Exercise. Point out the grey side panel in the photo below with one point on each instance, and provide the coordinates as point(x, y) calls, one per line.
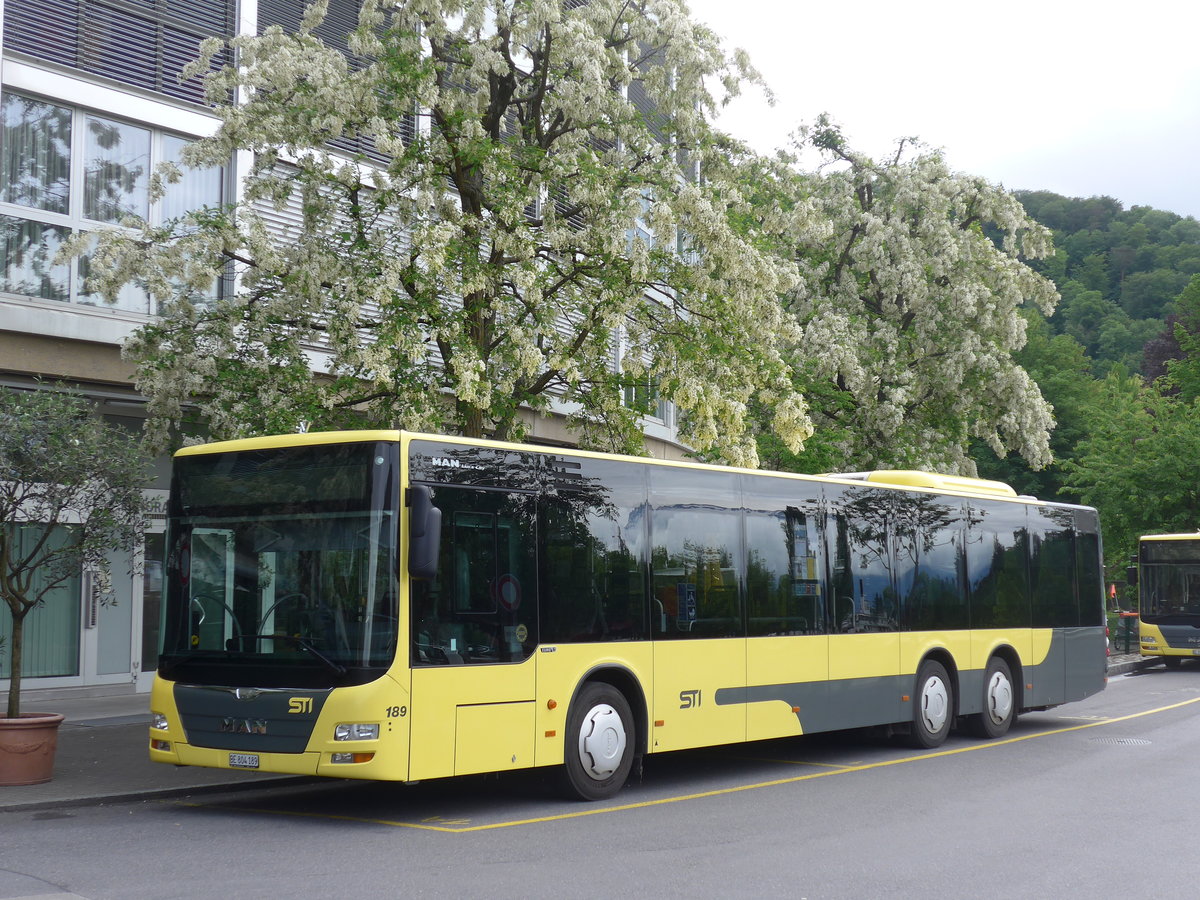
point(856, 702)
point(1086, 661)
point(970, 691)
point(1048, 678)
point(250, 719)
point(833, 705)
point(1074, 668)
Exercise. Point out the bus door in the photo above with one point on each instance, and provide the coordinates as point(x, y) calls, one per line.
point(240, 592)
point(210, 581)
point(864, 644)
point(787, 654)
point(696, 615)
point(474, 630)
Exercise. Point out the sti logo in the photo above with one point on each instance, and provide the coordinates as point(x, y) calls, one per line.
point(299, 705)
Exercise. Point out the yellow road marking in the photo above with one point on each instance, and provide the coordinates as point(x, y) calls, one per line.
point(700, 795)
point(795, 762)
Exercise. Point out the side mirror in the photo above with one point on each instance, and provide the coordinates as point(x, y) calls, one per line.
point(1131, 575)
point(424, 533)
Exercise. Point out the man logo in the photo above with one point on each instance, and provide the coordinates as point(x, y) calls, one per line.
point(299, 705)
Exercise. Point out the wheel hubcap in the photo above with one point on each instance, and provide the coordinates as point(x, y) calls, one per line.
point(935, 704)
point(601, 741)
point(999, 698)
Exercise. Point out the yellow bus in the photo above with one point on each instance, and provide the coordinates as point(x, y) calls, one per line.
point(397, 606)
point(1168, 579)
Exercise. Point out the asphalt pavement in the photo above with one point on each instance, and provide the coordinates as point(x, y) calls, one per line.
point(103, 755)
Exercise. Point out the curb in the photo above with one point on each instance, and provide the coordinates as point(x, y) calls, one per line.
point(133, 796)
point(1133, 665)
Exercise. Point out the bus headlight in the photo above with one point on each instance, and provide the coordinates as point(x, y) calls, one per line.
point(158, 721)
point(357, 732)
point(1149, 639)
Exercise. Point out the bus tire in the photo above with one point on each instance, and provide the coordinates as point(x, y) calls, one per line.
point(1172, 662)
point(933, 706)
point(599, 743)
point(999, 702)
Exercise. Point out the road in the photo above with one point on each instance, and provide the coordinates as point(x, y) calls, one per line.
point(1091, 799)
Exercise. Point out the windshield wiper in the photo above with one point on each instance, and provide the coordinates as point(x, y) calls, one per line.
point(335, 667)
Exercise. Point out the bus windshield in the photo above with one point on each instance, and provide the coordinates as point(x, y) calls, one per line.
point(282, 566)
point(1170, 581)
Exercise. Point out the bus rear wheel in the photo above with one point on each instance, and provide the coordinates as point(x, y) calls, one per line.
point(933, 706)
point(600, 743)
point(999, 701)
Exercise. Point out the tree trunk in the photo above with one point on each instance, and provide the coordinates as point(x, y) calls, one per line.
point(14, 658)
point(472, 419)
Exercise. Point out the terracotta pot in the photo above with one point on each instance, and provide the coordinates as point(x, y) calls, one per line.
point(27, 745)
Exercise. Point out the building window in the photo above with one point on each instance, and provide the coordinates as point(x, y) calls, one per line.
point(641, 224)
point(37, 161)
point(641, 393)
point(116, 170)
point(64, 170)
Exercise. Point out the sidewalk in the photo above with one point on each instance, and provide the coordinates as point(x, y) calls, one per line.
point(103, 757)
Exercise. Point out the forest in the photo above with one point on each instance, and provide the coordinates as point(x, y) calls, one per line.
point(1119, 360)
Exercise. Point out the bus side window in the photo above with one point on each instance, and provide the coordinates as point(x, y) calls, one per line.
point(1052, 567)
point(592, 558)
point(482, 606)
point(863, 595)
point(696, 555)
point(785, 557)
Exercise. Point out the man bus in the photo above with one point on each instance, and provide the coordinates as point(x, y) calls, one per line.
point(387, 605)
point(1168, 579)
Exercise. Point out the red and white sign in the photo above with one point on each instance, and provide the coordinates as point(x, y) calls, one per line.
point(508, 592)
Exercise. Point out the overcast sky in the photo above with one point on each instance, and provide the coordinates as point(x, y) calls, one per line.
point(1072, 97)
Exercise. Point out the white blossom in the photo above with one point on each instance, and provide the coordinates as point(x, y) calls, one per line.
point(910, 312)
point(486, 265)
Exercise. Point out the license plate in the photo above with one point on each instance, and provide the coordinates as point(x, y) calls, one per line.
point(243, 760)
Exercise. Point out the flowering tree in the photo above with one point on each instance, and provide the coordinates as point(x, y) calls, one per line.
point(909, 301)
point(541, 234)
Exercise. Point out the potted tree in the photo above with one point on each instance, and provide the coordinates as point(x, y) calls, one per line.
point(70, 494)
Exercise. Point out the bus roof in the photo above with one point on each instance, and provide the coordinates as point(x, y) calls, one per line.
point(914, 478)
point(904, 478)
point(1191, 536)
point(270, 442)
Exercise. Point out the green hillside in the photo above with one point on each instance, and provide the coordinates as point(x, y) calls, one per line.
point(1111, 361)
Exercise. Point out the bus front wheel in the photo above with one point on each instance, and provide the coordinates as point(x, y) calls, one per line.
point(933, 706)
point(600, 743)
point(999, 701)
